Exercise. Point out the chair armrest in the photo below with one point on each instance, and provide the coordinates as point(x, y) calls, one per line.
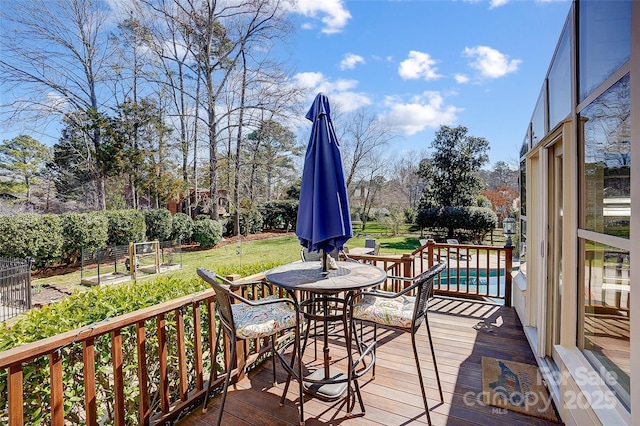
point(234, 284)
point(433, 272)
point(262, 302)
point(391, 295)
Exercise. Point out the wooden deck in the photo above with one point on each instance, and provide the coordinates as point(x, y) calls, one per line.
point(463, 331)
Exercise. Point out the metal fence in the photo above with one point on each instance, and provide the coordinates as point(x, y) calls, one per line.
point(117, 264)
point(15, 287)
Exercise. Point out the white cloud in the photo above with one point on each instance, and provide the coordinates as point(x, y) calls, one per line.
point(490, 62)
point(421, 112)
point(309, 79)
point(462, 78)
point(418, 65)
point(497, 3)
point(340, 92)
point(350, 61)
point(335, 16)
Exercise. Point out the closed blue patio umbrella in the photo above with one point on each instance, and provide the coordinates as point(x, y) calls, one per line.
point(324, 222)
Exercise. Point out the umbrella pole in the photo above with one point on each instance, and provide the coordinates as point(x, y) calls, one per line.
point(324, 262)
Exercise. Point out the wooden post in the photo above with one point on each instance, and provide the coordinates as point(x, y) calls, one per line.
point(430, 245)
point(407, 269)
point(508, 265)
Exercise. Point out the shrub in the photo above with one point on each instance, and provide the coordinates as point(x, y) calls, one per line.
point(279, 214)
point(32, 235)
point(181, 227)
point(159, 224)
point(207, 232)
point(482, 221)
point(125, 226)
point(251, 222)
point(88, 230)
point(410, 215)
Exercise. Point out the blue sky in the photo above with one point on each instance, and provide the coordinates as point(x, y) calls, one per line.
point(422, 64)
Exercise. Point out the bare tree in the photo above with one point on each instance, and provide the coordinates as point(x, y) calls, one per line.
point(371, 187)
point(405, 185)
point(172, 44)
point(56, 56)
point(363, 140)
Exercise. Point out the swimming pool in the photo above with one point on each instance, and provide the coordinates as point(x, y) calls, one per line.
point(489, 282)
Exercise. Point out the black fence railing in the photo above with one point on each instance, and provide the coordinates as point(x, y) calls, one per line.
point(15, 287)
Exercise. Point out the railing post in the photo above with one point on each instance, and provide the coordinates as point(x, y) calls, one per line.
point(508, 265)
point(430, 245)
point(407, 267)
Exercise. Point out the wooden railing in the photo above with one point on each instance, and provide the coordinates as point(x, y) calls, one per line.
point(472, 270)
point(149, 366)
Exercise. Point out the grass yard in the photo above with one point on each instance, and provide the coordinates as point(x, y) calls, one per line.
point(248, 257)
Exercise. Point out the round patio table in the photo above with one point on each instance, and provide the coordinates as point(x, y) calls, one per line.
point(324, 288)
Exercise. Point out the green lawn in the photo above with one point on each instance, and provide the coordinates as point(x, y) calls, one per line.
point(248, 257)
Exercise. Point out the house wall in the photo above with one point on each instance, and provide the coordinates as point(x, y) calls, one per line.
point(569, 248)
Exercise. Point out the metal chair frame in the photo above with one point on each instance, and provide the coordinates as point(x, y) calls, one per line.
point(224, 301)
point(422, 285)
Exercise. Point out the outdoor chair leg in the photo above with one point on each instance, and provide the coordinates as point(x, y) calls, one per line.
point(213, 368)
point(433, 355)
point(301, 350)
point(226, 381)
point(298, 350)
point(375, 339)
point(273, 357)
point(424, 394)
point(348, 331)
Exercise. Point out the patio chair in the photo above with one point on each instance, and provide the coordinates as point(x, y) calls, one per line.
point(460, 253)
point(402, 312)
point(252, 319)
point(309, 256)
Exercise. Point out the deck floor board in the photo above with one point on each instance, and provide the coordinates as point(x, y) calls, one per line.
point(463, 332)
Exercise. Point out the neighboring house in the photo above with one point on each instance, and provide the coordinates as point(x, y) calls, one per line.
point(203, 202)
point(580, 218)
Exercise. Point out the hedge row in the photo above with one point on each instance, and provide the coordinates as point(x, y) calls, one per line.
point(475, 222)
point(51, 239)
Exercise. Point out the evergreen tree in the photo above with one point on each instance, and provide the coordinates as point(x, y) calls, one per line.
point(452, 174)
point(22, 158)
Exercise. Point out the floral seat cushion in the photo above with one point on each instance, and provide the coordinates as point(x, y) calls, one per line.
point(396, 312)
point(260, 321)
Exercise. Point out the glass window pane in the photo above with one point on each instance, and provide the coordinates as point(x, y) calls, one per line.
point(523, 188)
point(605, 42)
point(560, 82)
point(523, 246)
point(605, 328)
point(606, 133)
point(538, 128)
